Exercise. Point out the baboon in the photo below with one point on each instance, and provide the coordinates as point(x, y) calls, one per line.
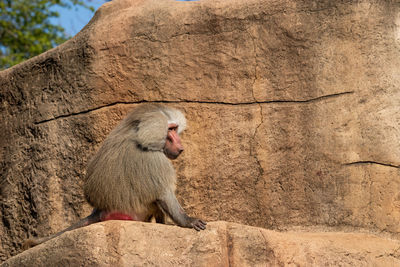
point(131, 176)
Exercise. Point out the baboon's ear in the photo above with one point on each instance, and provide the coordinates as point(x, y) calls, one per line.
point(151, 130)
point(135, 125)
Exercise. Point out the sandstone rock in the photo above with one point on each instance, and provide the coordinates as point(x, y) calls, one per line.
point(292, 111)
point(116, 243)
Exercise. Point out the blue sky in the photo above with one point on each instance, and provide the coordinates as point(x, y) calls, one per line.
point(74, 19)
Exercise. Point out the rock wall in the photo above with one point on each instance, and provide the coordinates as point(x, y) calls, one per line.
point(292, 111)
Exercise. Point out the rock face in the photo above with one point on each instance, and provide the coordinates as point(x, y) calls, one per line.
point(292, 111)
point(223, 244)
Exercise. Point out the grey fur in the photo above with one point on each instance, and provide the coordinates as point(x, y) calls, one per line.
point(132, 174)
point(130, 171)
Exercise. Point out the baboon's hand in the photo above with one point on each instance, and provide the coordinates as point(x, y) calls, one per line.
point(197, 224)
point(170, 205)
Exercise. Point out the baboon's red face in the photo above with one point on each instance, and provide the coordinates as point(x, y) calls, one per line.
point(173, 146)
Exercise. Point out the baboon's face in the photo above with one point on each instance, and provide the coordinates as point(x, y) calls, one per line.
point(173, 146)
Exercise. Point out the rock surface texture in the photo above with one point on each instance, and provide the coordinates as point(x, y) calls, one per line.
point(293, 123)
point(222, 244)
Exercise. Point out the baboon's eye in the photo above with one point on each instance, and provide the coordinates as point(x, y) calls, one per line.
point(173, 127)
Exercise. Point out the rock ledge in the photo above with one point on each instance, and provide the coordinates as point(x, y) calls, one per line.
point(120, 243)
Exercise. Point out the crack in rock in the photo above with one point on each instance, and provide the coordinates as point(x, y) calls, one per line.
point(372, 162)
point(197, 102)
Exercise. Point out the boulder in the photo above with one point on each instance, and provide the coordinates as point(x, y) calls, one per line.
point(292, 111)
point(116, 243)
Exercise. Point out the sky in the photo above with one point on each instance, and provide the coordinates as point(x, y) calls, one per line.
point(74, 19)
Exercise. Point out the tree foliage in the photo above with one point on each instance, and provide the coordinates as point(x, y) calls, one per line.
point(26, 29)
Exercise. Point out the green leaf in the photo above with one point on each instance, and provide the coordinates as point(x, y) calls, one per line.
point(26, 30)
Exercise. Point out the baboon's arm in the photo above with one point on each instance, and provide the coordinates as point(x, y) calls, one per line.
point(170, 205)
